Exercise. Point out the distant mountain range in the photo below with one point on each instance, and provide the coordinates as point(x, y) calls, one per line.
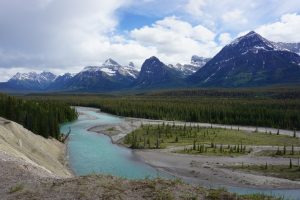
point(248, 61)
point(29, 81)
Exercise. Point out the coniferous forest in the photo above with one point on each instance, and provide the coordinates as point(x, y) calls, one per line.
point(40, 117)
point(276, 108)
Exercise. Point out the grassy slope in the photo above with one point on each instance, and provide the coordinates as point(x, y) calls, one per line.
point(186, 136)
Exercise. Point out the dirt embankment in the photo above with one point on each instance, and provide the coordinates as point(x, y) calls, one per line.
point(20, 146)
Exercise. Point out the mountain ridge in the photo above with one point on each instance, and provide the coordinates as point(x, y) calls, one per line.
point(248, 61)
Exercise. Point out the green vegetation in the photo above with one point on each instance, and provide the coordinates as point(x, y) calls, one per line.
point(290, 171)
point(111, 129)
point(41, 117)
point(216, 194)
point(16, 188)
point(268, 108)
point(215, 150)
point(203, 140)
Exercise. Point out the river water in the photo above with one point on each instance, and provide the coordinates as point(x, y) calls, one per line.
point(92, 153)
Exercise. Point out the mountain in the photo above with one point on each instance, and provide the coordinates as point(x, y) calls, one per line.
point(155, 74)
point(89, 79)
point(199, 61)
point(109, 76)
point(188, 69)
point(114, 69)
point(29, 81)
point(294, 47)
point(250, 60)
point(60, 81)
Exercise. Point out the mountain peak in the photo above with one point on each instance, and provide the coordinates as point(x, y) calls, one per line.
point(252, 33)
point(34, 76)
point(131, 64)
point(91, 69)
point(153, 58)
point(249, 60)
point(152, 62)
point(155, 73)
point(253, 42)
point(110, 62)
point(251, 37)
point(32, 80)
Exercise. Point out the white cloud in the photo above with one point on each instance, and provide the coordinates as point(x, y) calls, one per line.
point(203, 34)
point(176, 40)
point(62, 35)
point(56, 34)
point(195, 7)
point(234, 17)
point(285, 30)
point(225, 38)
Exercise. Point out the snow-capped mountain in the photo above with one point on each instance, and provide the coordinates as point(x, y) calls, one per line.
point(112, 68)
point(294, 47)
point(250, 60)
point(60, 81)
point(44, 77)
point(31, 80)
point(199, 61)
point(108, 76)
point(255, 43)
point(188, 69)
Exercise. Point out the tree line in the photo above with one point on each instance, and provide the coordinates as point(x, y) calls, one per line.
point(40, 117)
point(265, 112)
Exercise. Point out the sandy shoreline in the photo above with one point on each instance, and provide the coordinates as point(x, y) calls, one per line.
point(203, 170)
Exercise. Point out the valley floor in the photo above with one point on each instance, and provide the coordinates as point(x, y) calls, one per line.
point(206, 170)
point(31, 168)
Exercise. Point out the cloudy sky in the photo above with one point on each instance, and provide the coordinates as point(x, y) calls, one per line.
point(66, 35)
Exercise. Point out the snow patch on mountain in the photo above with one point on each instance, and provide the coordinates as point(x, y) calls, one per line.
point(294, 47)
point(33, 76)
point(112, 68)
point(255, 43)
point(196, 63)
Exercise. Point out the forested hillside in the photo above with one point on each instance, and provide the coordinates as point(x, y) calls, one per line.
point(276, 110)
point(41, 117)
